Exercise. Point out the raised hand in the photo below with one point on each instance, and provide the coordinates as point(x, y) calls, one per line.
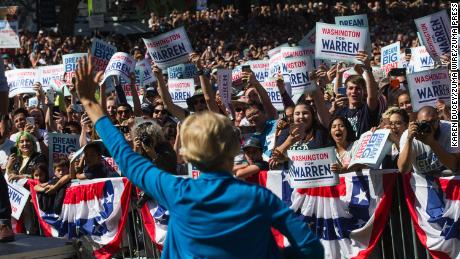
point(86, 83)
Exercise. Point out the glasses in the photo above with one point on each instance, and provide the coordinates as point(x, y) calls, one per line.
point(159, 111)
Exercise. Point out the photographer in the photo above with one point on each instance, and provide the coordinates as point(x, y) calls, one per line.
point(426, 145)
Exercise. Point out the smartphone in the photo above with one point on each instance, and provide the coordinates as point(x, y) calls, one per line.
point(13, 150)
point(397, 72)
point(78, 108)
point(342, 91)
point(408, 51)
point(50, 95)
point(30, 120)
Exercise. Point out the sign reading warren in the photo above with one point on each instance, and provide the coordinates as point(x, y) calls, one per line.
point(312, 168)
point(224, 84)
point(18, 199)
point(358, 20)
point(339, 42)
point(20, 81)
point(273, 92)
point(180, 90)
point(47, 74)
point(101, 52)
point(121, 64)
point(421, 59)
point(295, 71)
point(435, 32)
point(170, 48)
point(428, 86)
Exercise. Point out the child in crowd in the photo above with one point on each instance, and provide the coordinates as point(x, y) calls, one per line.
point(253, 154)
point(94, 164)
point(51, 193)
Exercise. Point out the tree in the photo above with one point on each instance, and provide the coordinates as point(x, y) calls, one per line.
point(66, 17)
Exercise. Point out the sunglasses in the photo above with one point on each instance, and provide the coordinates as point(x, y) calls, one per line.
point(123, 129)
point(159, 111)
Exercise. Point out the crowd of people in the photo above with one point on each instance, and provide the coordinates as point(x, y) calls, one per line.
point(256, 139)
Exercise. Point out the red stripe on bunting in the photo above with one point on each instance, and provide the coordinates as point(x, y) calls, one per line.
point(84, 192)
point(410, 201)
point(327, 192)
point(149, 224)
point(46, 229)
point(451, 188)
point(381, 214)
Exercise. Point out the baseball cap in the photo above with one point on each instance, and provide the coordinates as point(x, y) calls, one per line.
point(252, 142)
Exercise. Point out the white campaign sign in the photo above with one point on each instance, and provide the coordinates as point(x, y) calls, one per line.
point(182, 71)
point(121, 64)
point(224, 84)
point(339, 42)
point(312, 168)
point(371, 148)
point(18, 199)
point(144, 73)
point(101, 52)
point(275, 62)
point(260, 68)
point(428, 86)
point(70, 65)
point(20, 81)
point(435, 33)
point(358, 20)
point(390, 57)
point(271, 87)
point(295, 71)
point(9, 38)
point(309, 39)
point(47, 74)
point(170, 48)
point(180, 90)
point(421, 59)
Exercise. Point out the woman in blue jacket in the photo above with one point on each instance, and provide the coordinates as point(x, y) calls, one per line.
point(216, 215)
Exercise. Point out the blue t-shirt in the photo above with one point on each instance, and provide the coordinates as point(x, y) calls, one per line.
point(216, 215)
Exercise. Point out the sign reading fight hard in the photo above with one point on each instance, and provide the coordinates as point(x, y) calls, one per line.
point(182, 71)
point(271, 87)
point(371, 148)
point(359, 20)
point(18, 199)
point(47, 74)
point(312, 168)
point(61, 145)
point(20, 81)
point(260, 68)
point(101, 52)
point(295, 71)
point(390, 57)
point(180, 90)
point(121, 64)
point(9, 38)
point(427, 87)
point(435, 33)
point(170, 48)
point(421, 59)
point(224, 83)
point(70, 65)
point(339, 42)
point(144, 73)
point(309, 39)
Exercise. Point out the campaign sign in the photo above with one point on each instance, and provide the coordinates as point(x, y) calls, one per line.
point(309, 39)
point(359, 20)
point(101, 52)
point(390, 57)
point(144, 73)
point(371, 148)
point(121, 64)
point(127, 90)
point(421, 59)
point(170, 48)
point(180, 90)
point(275, 62)
point(435, 33)
point(224, 84)
point(428, 86)
point(193, 172)
point(61, 145)
point(9, 38)
point(182, 71)
point(20, 81)
point(260, 69)
point(18, 199)
point(339, 42)
point(299, 51)
point(312, 168)
point(70, 62)
point(295, 71)
point(271, 87)
point(237, 75)
point(47, 74)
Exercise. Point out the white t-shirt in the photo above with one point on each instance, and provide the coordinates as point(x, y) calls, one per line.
point(5, 152)
point(423, 159)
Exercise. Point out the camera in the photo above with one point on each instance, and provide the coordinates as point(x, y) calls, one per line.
point(423, 127)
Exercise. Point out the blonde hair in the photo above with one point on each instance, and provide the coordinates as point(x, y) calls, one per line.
point(208, 139)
